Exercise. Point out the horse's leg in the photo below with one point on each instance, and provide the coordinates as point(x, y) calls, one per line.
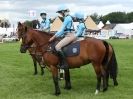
point(104, 76)
point(55, 79)
point(42, 70)
point(67, 79)
point(39, 62)
point(61, 74)
point(115, 81)
point(98, 74)
point(35, 66)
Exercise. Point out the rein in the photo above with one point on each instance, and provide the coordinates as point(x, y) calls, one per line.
point(42, 53)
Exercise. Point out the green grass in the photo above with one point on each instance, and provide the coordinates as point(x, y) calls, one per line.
point(18, 82)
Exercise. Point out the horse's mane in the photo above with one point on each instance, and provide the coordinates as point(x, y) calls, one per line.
point(42, 32)
point(46, 33)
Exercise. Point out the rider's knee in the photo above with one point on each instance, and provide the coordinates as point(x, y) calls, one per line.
point(57, 48)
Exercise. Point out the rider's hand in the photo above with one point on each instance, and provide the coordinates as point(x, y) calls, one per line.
point(51, 39)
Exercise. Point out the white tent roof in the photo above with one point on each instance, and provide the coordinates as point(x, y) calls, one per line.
point(100, 25)
point(108, 22)
point(124, 28)
point(131, 23)
point(127, 26)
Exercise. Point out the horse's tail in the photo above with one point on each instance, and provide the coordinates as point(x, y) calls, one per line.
point(105, 60)
point(112, 65)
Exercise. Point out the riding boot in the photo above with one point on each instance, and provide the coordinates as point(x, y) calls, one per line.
point(63, 62)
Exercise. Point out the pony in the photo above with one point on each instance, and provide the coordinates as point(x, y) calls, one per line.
point(97, 52)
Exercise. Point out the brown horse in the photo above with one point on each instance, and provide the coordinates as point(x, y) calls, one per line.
point(33, 50)
point(97, 52)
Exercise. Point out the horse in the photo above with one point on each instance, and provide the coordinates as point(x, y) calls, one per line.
point(34, 51)
point(98, 52)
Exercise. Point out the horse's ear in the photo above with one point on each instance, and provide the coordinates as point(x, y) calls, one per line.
point(19, 23)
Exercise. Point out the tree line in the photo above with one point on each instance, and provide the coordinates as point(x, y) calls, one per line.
point(5, 23)
point(114, 17)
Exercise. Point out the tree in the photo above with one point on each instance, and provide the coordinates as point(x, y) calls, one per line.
point(115, 17)
point(130, 17)
point(32, 24)
point(5, 23)
point(28, 23)
point(95, 17)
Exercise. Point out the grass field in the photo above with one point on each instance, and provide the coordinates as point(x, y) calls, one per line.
point(18, 82)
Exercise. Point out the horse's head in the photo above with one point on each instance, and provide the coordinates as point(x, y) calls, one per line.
point(23, 34)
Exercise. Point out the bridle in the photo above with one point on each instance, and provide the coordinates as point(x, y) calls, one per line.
point(26, 46)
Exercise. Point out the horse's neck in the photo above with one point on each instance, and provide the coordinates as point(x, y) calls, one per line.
point(40, 38)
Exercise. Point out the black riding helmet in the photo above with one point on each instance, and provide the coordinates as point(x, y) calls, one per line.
point(43, 13)
point(62, 9)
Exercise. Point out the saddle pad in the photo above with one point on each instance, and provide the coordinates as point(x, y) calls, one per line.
point(72, 49)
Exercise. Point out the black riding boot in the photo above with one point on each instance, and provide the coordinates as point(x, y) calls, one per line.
point(63, 62)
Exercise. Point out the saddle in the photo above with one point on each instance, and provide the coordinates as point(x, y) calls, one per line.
point(72, 49)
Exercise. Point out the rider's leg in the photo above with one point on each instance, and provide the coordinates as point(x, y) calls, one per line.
point(65, 41)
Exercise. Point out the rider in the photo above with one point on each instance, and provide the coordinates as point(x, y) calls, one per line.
point(45, 24)
point(81, 26)
point(66, 32)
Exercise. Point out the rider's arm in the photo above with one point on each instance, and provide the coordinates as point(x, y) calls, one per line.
point(80, 30)
point(65, 23)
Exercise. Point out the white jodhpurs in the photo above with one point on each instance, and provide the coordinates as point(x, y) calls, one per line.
point(70, 37)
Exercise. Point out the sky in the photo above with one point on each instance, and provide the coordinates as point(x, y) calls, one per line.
point(18, 10)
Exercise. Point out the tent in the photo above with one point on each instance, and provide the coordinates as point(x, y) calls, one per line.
point(108, 22)
point(7, 31)
point(56, 25)
point(90, 24)
point(108, 30)
point(126, 29)
point(100, 25)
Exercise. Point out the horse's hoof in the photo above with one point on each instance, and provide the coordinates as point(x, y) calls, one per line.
point(57, 93)
point(116, 84)
point(67, 87)
point(35, 74)
point(96, 92)
point(105, 89)
point(42, 73)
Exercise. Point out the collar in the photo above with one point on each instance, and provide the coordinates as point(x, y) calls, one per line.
point(43, 21)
